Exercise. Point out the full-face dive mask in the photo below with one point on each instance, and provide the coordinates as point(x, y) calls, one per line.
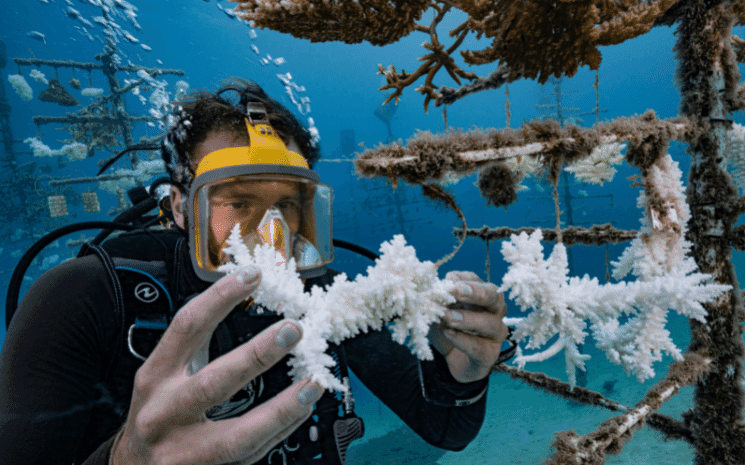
point(270, 192)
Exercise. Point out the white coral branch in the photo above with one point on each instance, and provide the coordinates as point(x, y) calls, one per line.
point(561, 306)
point(598, 167)
point(667, 279)
point(660, 245)
point(398, 289)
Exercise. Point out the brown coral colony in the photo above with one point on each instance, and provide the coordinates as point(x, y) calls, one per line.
point(57, 93)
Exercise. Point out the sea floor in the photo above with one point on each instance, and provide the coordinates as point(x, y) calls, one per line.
point(519, 427)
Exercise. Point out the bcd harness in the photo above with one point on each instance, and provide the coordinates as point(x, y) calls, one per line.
point(147, 271)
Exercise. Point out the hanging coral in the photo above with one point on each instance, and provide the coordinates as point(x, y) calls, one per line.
point(498, 184)
point(73, 151)
point(75, 84)
point(58, 94)
point(91, 92)
point(379, 23)
point(598, 167)
point(21, 87)
point(38, 76)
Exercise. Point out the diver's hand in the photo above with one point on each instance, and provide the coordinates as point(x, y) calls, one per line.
point(471, 340)
point(167, 422)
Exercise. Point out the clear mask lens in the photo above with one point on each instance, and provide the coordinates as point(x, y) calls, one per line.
point(292, 214)
point(272, 230)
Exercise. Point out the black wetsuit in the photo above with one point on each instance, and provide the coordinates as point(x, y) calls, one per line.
point(58, 404)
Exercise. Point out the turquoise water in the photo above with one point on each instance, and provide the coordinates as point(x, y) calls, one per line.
point(341, 84)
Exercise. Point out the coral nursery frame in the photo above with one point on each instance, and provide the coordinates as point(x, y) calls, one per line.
point(536, 39)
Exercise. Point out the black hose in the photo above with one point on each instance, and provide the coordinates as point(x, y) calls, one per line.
point(14, 288)
point(356, 248)
point(126, 217)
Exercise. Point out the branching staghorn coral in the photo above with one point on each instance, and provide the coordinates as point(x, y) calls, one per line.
point(21, 87)
point(666, 279)
point(57, 93)
point(560, 305)
point(97, 133)
point(73, 151)
point(495, 80)
point(125, 178)
point(379, 23)
point(398, 289)
point(438, 58)
point(647, 138)
point(563, 35)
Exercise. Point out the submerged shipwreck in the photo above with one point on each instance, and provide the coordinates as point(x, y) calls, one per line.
point(680, 257)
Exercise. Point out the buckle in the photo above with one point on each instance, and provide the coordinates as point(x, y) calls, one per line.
point(156, 322)
point(256, 113)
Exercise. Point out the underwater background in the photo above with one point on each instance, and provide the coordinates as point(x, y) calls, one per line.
point(336, 85)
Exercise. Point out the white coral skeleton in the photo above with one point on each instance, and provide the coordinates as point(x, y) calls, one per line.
point(399, 289)
point(598, 167)
point(667, 279)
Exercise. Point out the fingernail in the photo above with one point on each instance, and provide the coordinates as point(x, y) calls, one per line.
point(309, 394)
point(287, 335)
point(249, 275)
point(455, 316)
point(464, 289)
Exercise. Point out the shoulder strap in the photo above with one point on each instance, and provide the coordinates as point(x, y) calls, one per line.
point(137, 265)
point(109, 267)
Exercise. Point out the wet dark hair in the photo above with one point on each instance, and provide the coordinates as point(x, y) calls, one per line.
point(200, 113)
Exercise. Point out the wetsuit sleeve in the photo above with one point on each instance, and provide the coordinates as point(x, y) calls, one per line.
point(426, 397)
point(53, 359)
point(101, 455)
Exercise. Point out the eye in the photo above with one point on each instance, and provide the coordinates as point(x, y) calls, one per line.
point(289, 204)
point(232, 203)
point(239, 204)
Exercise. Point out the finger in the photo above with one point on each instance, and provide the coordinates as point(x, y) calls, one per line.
point(223, 377)
point(482, 324)
point(247, 436)
point(483, 294)
point(479, 350)
point(194, 324)
point(438, 340)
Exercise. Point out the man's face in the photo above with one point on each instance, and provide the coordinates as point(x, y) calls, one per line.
point(245, 203)
point(234, 203)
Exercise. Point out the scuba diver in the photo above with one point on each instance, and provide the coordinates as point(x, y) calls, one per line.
point(139, 351)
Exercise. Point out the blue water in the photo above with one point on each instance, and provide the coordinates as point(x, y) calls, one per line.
point(341, 82)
